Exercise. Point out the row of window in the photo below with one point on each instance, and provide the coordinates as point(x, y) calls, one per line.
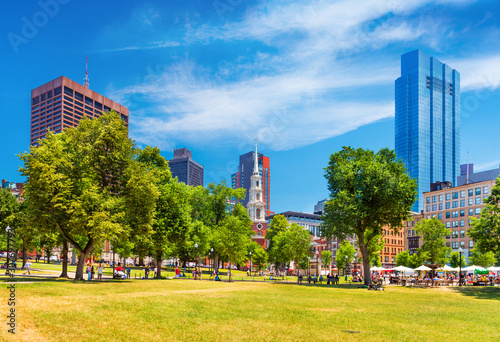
point(455, 204)
point(471, 192)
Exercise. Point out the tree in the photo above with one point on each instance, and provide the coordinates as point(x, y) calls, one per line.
point(375, 260)
point(8, 209)
point(482, 259)
point(485, 231)
point(345, 255)
point(368, 191)
point(278, 224)
point(326, 259)
point(403, 259)
point(433, 234)
point(455, 259)
point(231, 239)
point(292, 244)
point(85, 184)
point(259, 258)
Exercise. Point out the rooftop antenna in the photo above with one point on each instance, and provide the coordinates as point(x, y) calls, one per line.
point(86, 79)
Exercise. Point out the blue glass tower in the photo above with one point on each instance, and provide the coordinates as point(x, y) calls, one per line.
point(428, 121)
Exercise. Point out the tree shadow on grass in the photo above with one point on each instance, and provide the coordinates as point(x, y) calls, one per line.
point(492, 292)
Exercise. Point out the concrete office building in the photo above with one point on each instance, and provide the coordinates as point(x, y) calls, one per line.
point(185, 168)
point(427, 122)
point(62, 103)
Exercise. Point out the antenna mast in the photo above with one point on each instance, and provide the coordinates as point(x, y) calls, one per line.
point(86, 79)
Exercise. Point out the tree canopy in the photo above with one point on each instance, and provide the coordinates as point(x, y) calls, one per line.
point(368, 191)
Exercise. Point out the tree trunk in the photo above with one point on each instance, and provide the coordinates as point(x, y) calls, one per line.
point(81, 260)
point(216, 263)
point(25, 257)
point(229, 268)
point(141, 261)
point(159, 260)
point(64, 273)
point(366, 262)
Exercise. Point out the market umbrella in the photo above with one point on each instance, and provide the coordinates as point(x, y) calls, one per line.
point(423, 268)
point(402, 269)
point(473, 268)
point(376, 268)
point(494, 268)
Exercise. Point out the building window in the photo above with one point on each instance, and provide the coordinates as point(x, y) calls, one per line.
point(454, 224)
point(78, 96)
point(478, 200)
point(89, 101)
point(440, 216)
point(68, 91)
point(471, 244)
point(440, 206)
point(440, 198)
point(448, 224)
point(462, 244)
point(462, 212)
point(462, 223)
point(462, 194)
point(447, 205)
point(478, 211)
point(447, 244)
point(454, 214)
point(434, 207)
point(462, 233)
point(455, 204)
point(478, 191)
point(471, 201)
point(455, 195)
point(434, 199)
point(428, 199)
point(454, 245)
point(455, 234)
point(485, 190)
point(428, 208)
point(462, 203)
point(471, 211)
point(471, 192)
point(447, 197)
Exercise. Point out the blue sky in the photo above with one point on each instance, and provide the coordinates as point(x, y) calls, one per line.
point(303, 77)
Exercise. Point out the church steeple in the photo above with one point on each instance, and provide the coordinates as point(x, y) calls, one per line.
point(256, 206)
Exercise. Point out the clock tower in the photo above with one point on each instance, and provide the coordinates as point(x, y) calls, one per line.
point(256, 205)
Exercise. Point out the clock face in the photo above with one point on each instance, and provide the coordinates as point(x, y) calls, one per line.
point(259, 226)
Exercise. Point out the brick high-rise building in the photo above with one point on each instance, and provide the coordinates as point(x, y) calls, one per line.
point(62, 103)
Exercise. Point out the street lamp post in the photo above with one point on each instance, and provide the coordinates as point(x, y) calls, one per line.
point(213, 260)
point(354, 260)
point(196, 261)
point(460, 263)
point(7, 230)
point(317, 263)
point(250, 263)
point(345, 268)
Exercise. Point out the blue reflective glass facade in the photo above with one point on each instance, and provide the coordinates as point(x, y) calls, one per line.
point(427, 122)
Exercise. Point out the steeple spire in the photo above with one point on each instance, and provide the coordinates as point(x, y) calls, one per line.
point(256, 161)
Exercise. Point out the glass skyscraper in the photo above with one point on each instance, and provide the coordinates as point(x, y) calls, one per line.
point(428, 121)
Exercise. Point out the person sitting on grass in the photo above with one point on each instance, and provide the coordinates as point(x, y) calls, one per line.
point(217, 278)
point(321, 279)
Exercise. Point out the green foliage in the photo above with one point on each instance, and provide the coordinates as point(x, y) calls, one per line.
point(485, 231)
point(375, 259)
point(433, 234)
point(346, 249)
point(403, 259)
point(278, 224)
point(259, 256)
point(292, 244)
point(86, 185)
point(326, 259)
point(8, 209)
point(368, 190)
point(455, 259)
point(482, 259)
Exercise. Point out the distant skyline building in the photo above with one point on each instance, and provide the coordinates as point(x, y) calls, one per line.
point(427, 122)
point(242, 178)
point(475, 177)
point(319, 207)
point(185, 168)
point(62, 103)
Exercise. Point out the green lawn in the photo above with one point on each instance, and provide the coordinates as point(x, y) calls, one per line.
point(156, 310)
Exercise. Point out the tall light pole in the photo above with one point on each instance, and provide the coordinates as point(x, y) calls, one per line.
point(317, 263)
point(196, 261)
point(345, 268)
point(460, 263)
point(212, 261)
point(250, 263)
point(7, 230)
point(354, 260)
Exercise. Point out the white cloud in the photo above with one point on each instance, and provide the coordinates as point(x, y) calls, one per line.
point(478, 72)
point(310, 88)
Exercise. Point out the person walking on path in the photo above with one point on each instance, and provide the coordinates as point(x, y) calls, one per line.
point(89, 271)
point(128, 272)
point(100, 270)
point(146, 273)
point(156, 269)
point(28, 267)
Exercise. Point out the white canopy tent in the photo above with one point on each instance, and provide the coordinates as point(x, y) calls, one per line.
point(423, 268)
point(447, 268)
point(472, 268)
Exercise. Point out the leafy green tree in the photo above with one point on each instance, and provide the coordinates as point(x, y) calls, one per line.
point(345, 255)
point(86, 185)
point(8, 209)
point(482, 259)
point(326, 259)
point(231, 239)
point(278, 224)
point(433, 234)
point(259, 255)
point(212, 207)
point(368, 191)
point(455, 259)
point(375, 260)
point(485, 231)
point(292, 244)
point(403, 259)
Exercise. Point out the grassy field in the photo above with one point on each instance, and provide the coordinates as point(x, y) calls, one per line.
point(164, 310)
